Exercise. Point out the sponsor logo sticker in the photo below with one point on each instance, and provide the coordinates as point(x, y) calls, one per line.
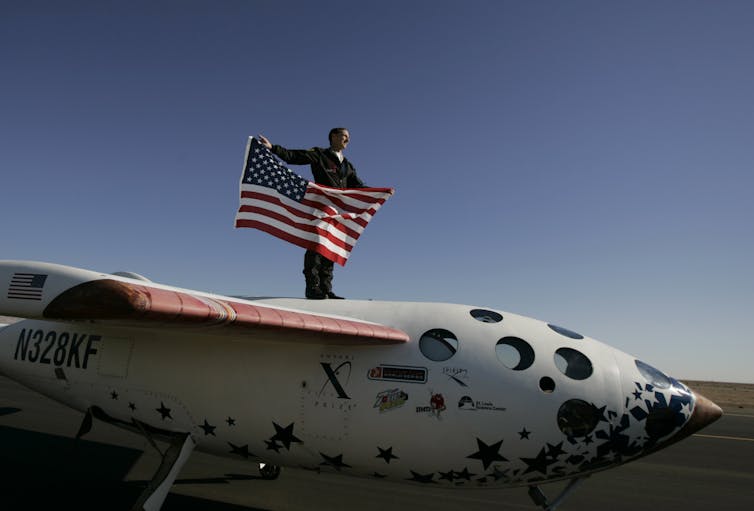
point(405, 374)
point(390, 400)
point(467, 403)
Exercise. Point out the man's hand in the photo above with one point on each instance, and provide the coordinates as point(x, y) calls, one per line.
point(265, 142)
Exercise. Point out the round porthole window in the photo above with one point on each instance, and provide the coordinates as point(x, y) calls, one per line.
point(486, 316)
point(546, 384)
point(577, 417)
point(438, 344)
point(573, 363)
point(514, 353)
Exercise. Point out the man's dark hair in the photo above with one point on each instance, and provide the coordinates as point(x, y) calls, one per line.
point(334, 131)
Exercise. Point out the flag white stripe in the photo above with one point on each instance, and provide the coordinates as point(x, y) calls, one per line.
point(322, 224)
point(306, 235)
point(332, 231)
point(347, 197)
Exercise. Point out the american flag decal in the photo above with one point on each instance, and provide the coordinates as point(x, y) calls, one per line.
point(26, 286)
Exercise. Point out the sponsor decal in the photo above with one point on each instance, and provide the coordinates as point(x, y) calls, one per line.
point(457, 374)
point(436, 406)
point(336, 375)
point(467, 403)
point(390, 400)
point(406, 374)
point(332, 377)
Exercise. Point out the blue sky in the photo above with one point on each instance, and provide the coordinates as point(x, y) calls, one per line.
point(587, 163)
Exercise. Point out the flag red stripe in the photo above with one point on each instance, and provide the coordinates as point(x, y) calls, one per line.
point(319, 205)
point(286, 236)
point(302, 227)
point(336, 200)
point(274, 200)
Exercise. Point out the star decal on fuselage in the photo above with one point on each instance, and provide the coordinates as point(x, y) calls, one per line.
point(285, 435)
point(242, 450)
point(422, 478)
point(334, 461)
point(386, 454)
point(539, 464)
point(164, 411)
point(487, 453)
point(464, 474)
point(208, 429)
point(272, 445)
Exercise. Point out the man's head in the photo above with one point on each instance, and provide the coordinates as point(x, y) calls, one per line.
point(339, 138)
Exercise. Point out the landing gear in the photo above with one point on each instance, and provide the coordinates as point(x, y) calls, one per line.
point(540, 499)
point(269, 471)
point(180, 447)
point(173, 459)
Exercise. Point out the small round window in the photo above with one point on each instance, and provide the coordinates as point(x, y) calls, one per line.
point(652, 375)
point(514, 353)
point(566, 332)
point(486, 316)
point(577, 417)
point(573, 364)
point(438, 344)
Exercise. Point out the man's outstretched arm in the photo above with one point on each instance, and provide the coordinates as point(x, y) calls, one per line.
point(292, 156)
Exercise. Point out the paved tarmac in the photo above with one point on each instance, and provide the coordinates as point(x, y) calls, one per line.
point(41, 465)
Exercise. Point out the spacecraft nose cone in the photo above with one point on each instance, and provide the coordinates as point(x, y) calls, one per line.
point(705, 413)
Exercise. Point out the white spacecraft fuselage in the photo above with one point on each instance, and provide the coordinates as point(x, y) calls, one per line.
point(454, 395)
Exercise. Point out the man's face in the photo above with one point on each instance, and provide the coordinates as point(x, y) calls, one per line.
point(339, 140)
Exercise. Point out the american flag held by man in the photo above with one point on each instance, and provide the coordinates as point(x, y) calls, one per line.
point(325, 217)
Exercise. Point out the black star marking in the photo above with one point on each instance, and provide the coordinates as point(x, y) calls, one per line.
point(113, 395)
point(487, 453)
point(553, 451)
point(285, 435)
point(132, 406)
point(387, 454)
point(242, 450)
point(272, 445)
point(336, 461)
point(208, 430)
point(422, 478)
point(539, 463)
point(524, 434)
point(164, 411)
point(448, 476)
point(499, 474)
point(464, 475)
point(588, 439)
point(231, 421)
